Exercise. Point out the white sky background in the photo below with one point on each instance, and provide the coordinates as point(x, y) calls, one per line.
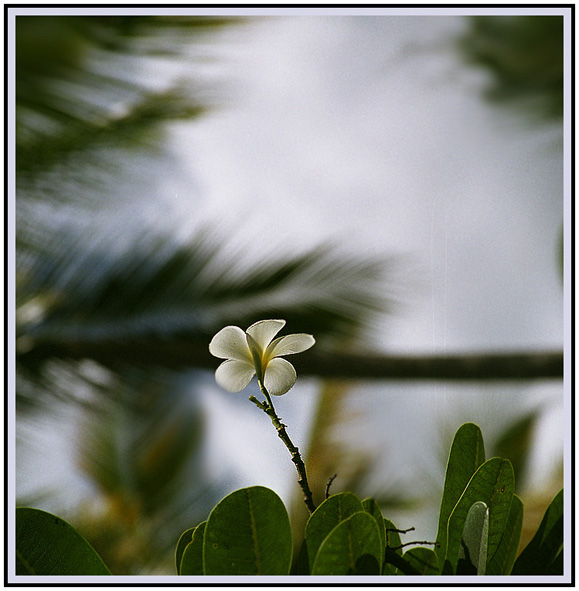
point(370, 132)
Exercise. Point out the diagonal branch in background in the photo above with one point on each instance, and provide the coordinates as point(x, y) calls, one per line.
point(185, 354)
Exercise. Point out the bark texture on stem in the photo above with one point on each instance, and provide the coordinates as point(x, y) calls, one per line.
point(294, 451)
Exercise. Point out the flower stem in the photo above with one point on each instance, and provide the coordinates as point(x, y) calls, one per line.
point(294, 451)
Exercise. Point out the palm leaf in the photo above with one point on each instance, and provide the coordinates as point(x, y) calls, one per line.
point(80, 81)
point(524, 57)
point(160, 294)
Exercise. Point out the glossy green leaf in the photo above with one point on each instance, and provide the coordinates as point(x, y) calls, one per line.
point(371, 507)
point(392, 541)
point(248, 533)
point(191, 562)
point(501, 563)
point(351, 548)
point(423, 560)
point(472, 556)
point(494, 484)
point(541, 555)
point(47, 545)
point(185, 539)
point(328, 515)
point(466, 455)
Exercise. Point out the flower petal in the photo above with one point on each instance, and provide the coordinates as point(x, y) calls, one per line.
point(291, 343)
point(262, 332)
point(233, 375)
point(280, 376)
point(230, 343)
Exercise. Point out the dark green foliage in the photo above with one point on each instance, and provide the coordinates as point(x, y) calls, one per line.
point(353, 547)
point(372, 507)
point(68, 95)
point(248, 533)
point(543, 554)
point(393, 543)
point(493, 483)
point(328, 515)
point(191, 562)
point(502, 561)
point(184, 540)
point(524, 56)
point(423, 560)
point(469, 484)
point(466, 455)
point(47, 545)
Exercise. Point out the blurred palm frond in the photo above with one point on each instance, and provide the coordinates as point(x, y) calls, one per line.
point(524, 57)
point(84, 81)
point(161, 295)
point(160, 287)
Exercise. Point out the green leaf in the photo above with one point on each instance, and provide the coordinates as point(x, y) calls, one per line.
point(392, 541)
point(423, 560)
point(472, 557)
point(47, 545)
point(494, 484)
point(328, 515)
point(351, 548)
point(371, 507)
point(466, 455)
point(501, 563)
point(248, 533)
point(541, 555)
point(192, 560)
point(185, 539)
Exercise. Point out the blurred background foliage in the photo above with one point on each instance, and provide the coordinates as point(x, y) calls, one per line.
point(523, 56)
point(94, 99)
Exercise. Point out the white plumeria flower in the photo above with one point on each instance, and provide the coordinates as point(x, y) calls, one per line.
point(255, 352)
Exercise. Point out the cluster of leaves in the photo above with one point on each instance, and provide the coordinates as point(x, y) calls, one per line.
point(480, 518)
point(249, 533)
